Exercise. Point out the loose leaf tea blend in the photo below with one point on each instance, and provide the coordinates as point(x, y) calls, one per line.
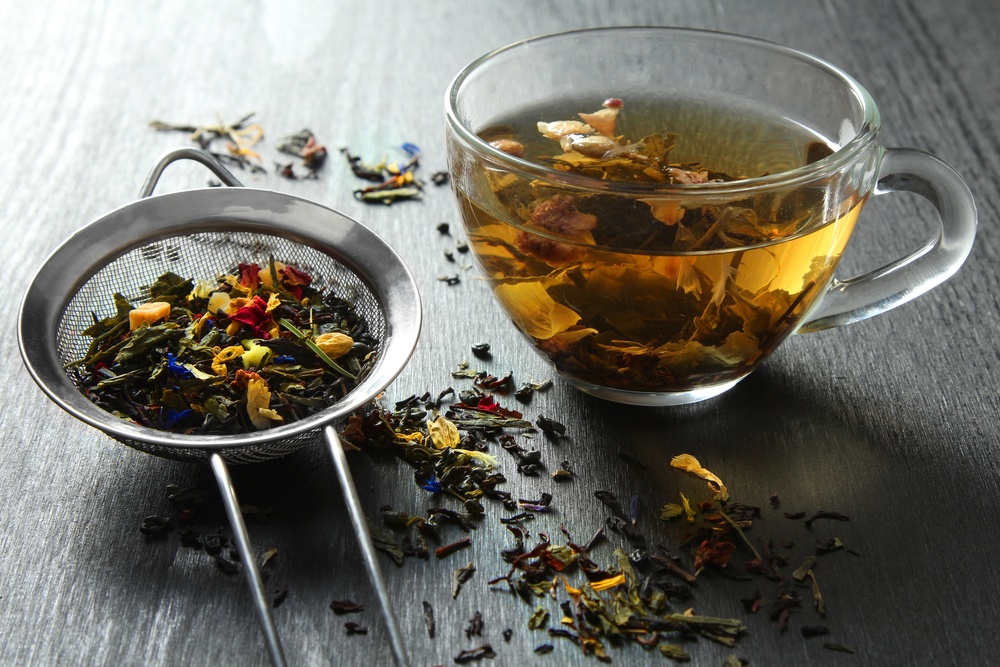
point(393, 181)
point(246, 351)
point(644, 595)
point(240, 139)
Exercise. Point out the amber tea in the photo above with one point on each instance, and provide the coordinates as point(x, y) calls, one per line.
point(658, 208)
point(642, 291)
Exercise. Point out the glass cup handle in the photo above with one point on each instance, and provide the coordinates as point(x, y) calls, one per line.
point(907, 170)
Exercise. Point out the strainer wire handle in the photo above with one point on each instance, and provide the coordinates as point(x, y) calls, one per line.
point(187, 153)
point(249, 560)
point(247, 557)
point(367, 546)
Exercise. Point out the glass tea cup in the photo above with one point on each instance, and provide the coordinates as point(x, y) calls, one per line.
point(656, 209)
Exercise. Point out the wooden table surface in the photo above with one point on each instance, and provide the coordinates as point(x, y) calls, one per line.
point(891, 421)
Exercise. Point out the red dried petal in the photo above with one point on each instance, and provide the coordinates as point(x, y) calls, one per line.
point(714, 553)
point(255, 316)
point(249, 275)
point(292, 276)
point(488, 403)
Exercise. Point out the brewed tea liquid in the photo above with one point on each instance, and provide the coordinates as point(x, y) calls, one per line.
point(658, 293)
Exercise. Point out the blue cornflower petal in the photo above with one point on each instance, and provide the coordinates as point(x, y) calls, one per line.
point(411, 149)
point(432, 485)
point(177, 369)
point(171, 416)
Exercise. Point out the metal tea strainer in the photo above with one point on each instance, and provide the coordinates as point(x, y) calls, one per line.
point(201, 234)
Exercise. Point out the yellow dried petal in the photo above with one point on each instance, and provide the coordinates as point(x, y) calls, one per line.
point(265, 274)
point(610, 582)
point(334, 345)
point(443, 432)
point(534, 311)
point(665, 209)
point(202, 289)
point(222, 355)
point(272, 302)
point(481, 457)
point(199, 325)
point(416, 436)
point(690, 464)
point(255, 355)
point(688, 510)
point(258, 400)
point(574, 592)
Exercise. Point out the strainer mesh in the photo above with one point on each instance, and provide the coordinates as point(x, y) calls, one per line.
point(207, 255)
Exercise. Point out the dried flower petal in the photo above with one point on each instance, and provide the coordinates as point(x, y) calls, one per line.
point(258, 399)
point(690, 464)
point(563, 128)
point(443, 432)
point(603, 121)
point(223, 355)
point(255, 316)
point(714, 552)
point(610, 582)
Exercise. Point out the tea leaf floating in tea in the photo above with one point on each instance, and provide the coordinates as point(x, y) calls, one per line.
point(663, 293)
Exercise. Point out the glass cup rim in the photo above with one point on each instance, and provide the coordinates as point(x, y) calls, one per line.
point(845, 155)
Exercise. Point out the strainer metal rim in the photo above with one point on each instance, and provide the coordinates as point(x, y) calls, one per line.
point(266, 212)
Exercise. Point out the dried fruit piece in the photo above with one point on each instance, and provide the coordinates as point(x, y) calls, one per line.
point(148, 313)
point(334, 345)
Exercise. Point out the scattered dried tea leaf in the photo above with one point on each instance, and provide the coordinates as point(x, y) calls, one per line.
point(841, 648)
point(562, 473)
point(688, 510)
point(341, 607)
point(671, 511)
point(475, 626)
point(611, 501)
point(475, 654)
point(803, 570)
point(385, 542)
point(824, 514)
point(355, 629)
point(674, 652)
point(827, 546)
point(429, 618)
point(539, 619)
point(448, 549)
point(460, 577)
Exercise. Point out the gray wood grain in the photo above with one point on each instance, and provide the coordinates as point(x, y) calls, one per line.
point(891, 421)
